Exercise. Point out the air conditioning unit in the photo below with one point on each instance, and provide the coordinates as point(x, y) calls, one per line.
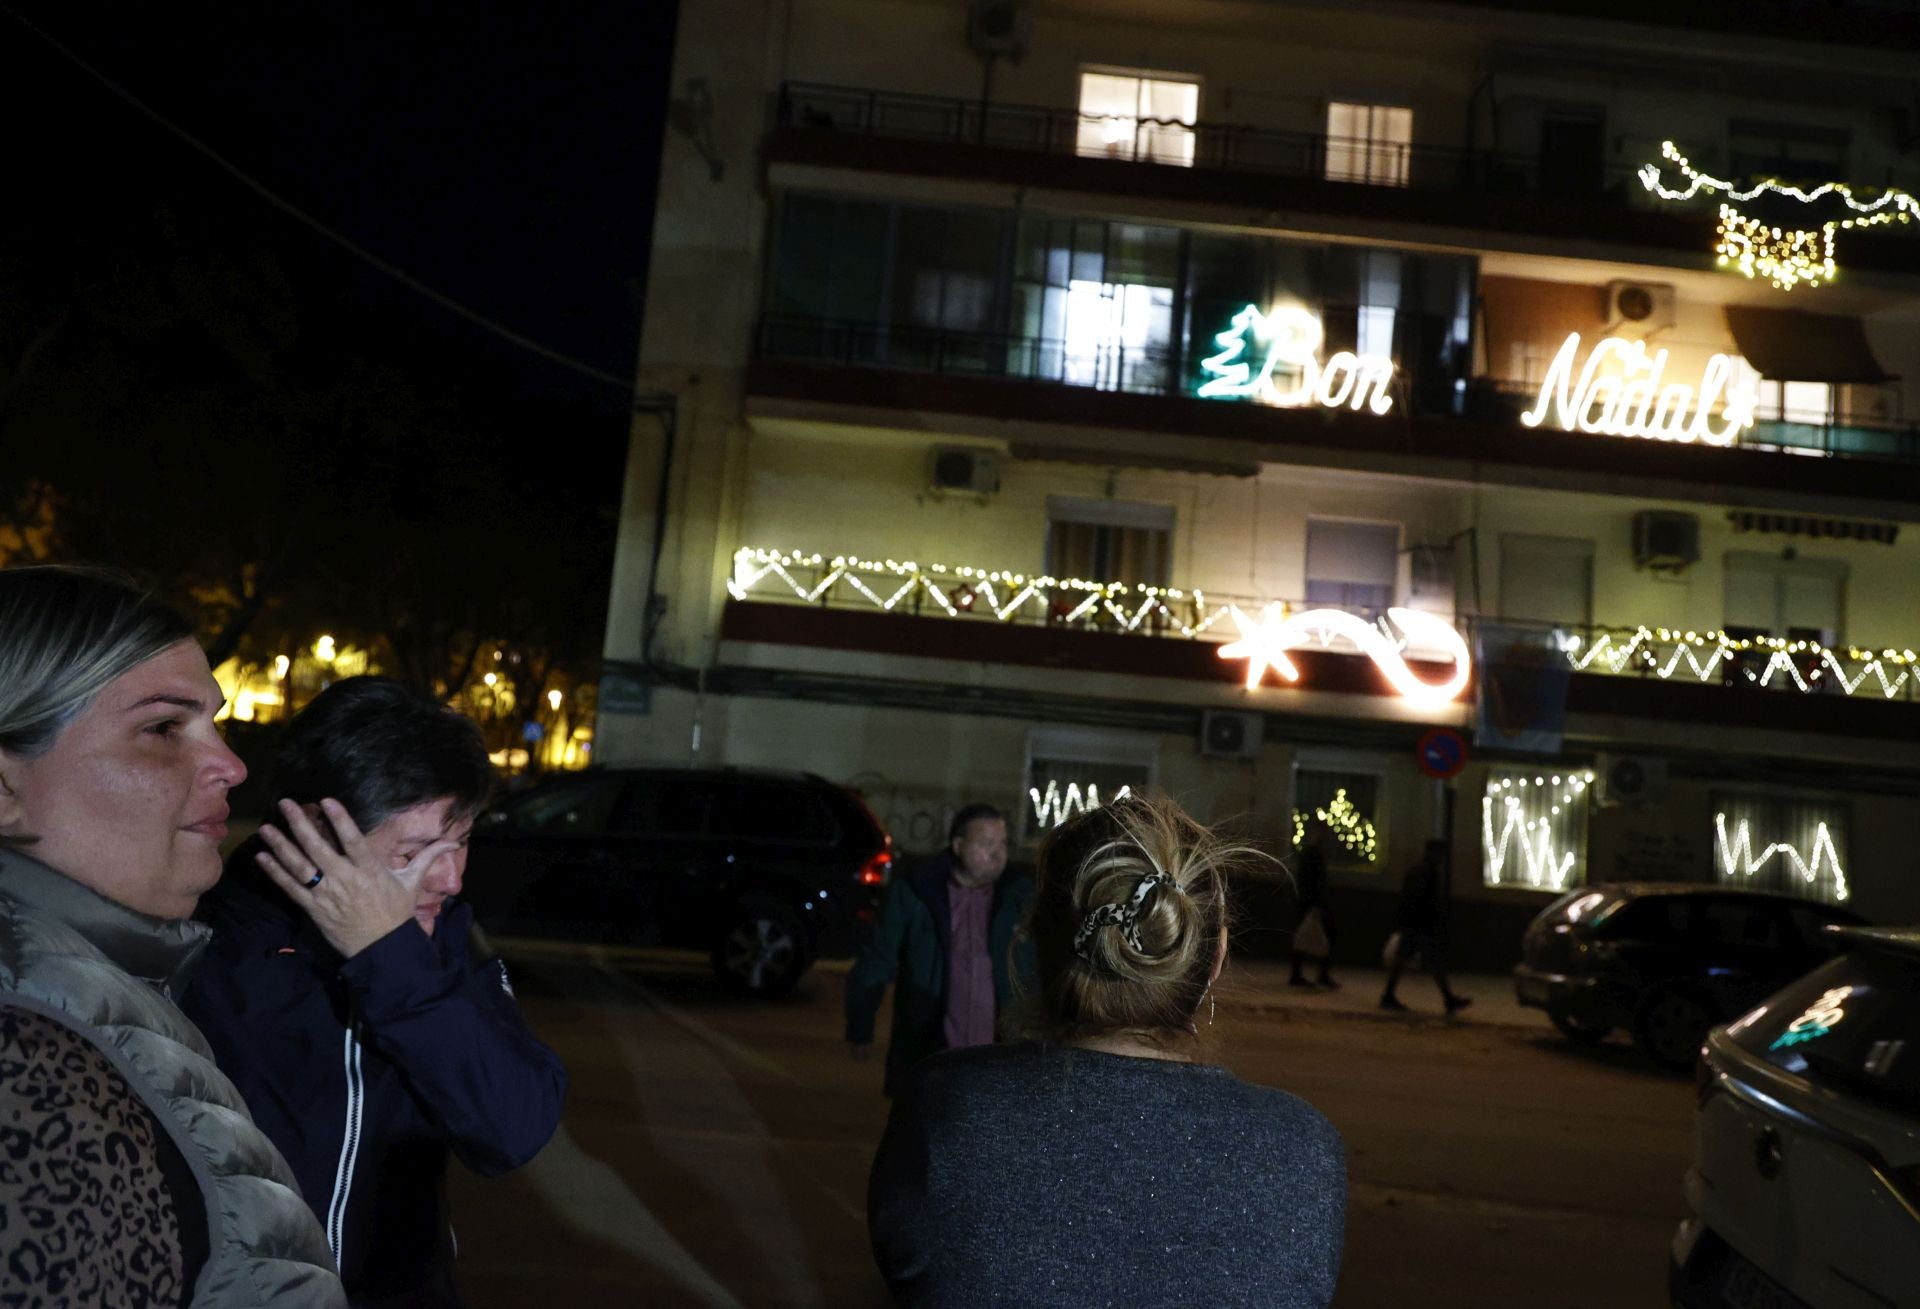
point(998, 29)
point(1665, 538)
point(963, 470)
point(1229, 734)
point(1629, 779)
point(1643, 306)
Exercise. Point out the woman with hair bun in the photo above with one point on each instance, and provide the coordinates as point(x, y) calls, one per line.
point(1102, 1163)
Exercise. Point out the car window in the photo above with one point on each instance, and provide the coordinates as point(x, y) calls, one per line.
point(1652, 918)
point(1810, 924)
point(1853, 1021)
point(661, 805)
point(772, 811)
point(574, 804)
point(1726, 921)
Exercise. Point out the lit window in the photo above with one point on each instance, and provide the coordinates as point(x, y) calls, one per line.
point(1533, 828)
point(1109, 325)
point(1369, 143)
point(1338, 809)
point(1795, 402)
point(1782, 844)
point(1069, 771)
point(1138, 116)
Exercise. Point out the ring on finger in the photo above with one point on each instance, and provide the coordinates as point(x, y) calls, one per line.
point(315, 880)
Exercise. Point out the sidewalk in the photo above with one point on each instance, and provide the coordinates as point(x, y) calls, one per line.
point(1261, 985)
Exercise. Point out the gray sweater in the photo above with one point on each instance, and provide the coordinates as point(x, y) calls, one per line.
point(1037, 1175)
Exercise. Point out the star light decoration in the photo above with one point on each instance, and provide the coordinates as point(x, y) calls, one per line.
point(1264, 643)
point(1789, 257)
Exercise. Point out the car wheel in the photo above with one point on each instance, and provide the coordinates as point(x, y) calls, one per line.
point(762, 950)
point(1670, 1027)
point(1575, 1030)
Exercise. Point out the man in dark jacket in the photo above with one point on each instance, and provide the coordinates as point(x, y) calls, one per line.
point(1422, 928)
point(340, 996)
point(945, 939)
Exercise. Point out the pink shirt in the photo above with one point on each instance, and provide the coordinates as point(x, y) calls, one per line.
point(970, 999)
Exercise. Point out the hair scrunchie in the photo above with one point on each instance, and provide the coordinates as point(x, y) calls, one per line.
point(1125, 916)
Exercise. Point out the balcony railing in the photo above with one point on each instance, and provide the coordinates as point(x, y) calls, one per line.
point(980, 595)
point(1045, 130)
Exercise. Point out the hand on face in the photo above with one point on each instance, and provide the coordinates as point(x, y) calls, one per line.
point(360, 896)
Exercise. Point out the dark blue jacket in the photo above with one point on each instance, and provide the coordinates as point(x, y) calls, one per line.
point(367, 1071)
point(910, 947)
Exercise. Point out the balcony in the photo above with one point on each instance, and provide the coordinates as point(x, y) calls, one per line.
point(1879, 24)
point(1250, 169)
point(979, 615)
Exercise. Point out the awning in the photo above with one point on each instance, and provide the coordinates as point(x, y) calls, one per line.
point(1792, 345)
point(1838, 529)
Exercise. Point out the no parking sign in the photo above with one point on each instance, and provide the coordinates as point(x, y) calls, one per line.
point(1441, 753)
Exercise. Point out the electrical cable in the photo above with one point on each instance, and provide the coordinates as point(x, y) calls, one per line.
point(641, 403)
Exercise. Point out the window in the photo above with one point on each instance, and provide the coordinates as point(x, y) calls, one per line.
point(772, 811)
point(1352, 565)
point(1069, 771)
point(1093, 302)
point(1339, 807)
point(1109, 540)
point(1138, 115)
point(572, 805)
point(1798, 599)
point(1781, 843)
point(1369, 143)
point(1795, 402)
point(660, 806)
point(1546, 579)
point(1533, 829)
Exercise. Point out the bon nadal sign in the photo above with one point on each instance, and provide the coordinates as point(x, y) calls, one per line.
point(1621, 389)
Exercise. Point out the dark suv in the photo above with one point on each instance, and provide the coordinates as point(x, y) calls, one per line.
point(1666, 960)
point(761, 869)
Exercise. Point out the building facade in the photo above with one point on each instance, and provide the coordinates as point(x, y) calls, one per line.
point(1032, 365)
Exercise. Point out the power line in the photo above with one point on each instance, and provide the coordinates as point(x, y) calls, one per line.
point(644, 403)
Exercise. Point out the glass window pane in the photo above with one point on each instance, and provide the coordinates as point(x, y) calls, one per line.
point(1533, 829)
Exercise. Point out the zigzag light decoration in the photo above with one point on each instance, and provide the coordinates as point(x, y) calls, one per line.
point(1786, 258)
point(1528, 842)
point(1054, 806)
point(1738, 860)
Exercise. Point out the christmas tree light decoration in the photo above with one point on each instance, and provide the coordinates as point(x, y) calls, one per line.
point(1341, 817)
point(1756, 249)
point(1054, 806)
point(1264, 644)
point(1632, 400)
point(1738, 860)
point(1293, 337)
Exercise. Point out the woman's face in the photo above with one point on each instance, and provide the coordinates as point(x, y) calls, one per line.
point(131, 799)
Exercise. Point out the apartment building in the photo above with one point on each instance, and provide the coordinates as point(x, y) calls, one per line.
point(1369, 421)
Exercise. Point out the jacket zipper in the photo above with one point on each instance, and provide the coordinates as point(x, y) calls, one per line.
point(349, 1152)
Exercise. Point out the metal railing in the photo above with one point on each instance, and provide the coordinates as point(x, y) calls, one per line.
point(1232, 146)
point(907, 587)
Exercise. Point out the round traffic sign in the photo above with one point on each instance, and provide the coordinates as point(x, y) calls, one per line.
point(1441, 753)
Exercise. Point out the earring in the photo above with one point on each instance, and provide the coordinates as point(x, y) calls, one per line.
point(1209, 1006)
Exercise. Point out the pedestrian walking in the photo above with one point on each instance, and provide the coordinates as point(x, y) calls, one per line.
point(945, 943)
point(1421, 930)
point(1313, 934)
point(132, 1173)
point(1103, 1162)
point(341, 996)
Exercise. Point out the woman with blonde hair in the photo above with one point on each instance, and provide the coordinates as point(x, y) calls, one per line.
point(133, 1175)
point(1103, 1163)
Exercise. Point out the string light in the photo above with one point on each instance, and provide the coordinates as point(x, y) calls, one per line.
point(1526, 834)
point(1786, 258)
point(1264, 644)
point(1293, 336)
point(1738, 860)
point(1351, 828)
point(1054, 806)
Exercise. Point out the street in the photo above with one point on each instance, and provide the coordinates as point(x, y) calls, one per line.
point(715, 1151)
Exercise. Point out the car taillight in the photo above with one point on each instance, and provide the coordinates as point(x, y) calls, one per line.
point(874, 871)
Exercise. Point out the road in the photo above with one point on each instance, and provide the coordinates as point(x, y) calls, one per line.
point(715, 1152)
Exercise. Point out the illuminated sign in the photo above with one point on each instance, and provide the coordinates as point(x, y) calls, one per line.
point(1292, 337)
point(1054, 806)
point(1264, 644)
point(1821, 1017)
point(1634, 399)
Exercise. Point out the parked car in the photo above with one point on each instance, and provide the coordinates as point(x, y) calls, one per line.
point(1805, 1185)
point(761, 869)
point(1666, 961)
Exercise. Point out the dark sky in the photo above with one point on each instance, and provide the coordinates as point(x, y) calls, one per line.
point(505, 153)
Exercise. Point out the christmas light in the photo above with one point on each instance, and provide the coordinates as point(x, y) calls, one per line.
point(1633, 401)
point(1264, 644)
point(1293, 337)
point(1756, 249)
point(1351, 828)
point(1528, 842)
point(1738, 860)
point(1054, 806)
